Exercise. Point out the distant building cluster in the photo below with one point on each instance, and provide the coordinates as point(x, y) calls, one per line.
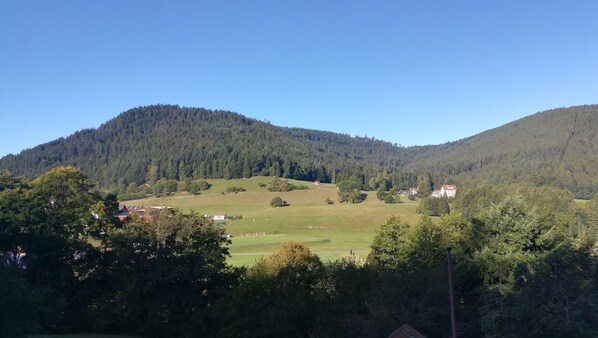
point(448, 190)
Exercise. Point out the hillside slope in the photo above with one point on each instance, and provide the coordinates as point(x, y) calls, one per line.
point(191, 142)
point(556, 147)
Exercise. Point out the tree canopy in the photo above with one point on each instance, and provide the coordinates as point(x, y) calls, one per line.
point(525, 266)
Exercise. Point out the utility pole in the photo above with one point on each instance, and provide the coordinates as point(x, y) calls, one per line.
point(451, 293)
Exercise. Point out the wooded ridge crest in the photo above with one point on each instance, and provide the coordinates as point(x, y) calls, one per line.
point(557, 147)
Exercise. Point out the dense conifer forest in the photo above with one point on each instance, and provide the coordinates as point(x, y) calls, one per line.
point(148, 143)
point(145, 144)
point(558, 147)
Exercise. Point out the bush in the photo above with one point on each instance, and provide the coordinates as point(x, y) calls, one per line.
point(278, 202)
point(348, 191)
point(165, 187)
point(204, 185)
point(389, 199)
point(279, 185)
point(235, 190)
point(194, 189)
point(356, 196)
point(381, 194)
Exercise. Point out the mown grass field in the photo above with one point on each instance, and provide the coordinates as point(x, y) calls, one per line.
point(330, 230)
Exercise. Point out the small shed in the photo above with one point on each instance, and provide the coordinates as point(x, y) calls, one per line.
point(219, 217)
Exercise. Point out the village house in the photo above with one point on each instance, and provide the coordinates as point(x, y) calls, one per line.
point(448, 190)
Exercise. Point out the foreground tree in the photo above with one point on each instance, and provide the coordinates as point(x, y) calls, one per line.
point(278, 202)
point(553, 297)
point(277, 298)
point(19, 301)
point(14, 226)
point(151, 278)
point(390, 245)
point(398, 245)
point(159, 276)
point(507, 237)
point(61, 222)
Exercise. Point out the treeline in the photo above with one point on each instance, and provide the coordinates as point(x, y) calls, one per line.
point(525, 266)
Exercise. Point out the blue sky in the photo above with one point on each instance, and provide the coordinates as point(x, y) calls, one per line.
point(410, 72)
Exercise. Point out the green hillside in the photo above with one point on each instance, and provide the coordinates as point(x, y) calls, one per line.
point(557, 147)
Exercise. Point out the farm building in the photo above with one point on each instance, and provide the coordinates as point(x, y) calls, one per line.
point(141, 211)
point(126, 211)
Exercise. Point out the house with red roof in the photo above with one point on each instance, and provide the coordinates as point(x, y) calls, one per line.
point(449, 190)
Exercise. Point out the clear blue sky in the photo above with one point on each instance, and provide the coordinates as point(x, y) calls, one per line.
point(410, 72)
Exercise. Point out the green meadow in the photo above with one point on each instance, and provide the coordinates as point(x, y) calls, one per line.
point(330, 230)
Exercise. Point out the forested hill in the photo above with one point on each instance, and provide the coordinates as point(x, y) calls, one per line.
point(148, 143)
point(557, 147)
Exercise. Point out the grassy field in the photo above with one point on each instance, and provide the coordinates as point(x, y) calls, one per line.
point(581, 202)
point(331, 231)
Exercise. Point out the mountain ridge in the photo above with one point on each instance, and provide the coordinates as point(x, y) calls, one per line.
point(555, 147)
point(558, 144)
point(211, 143)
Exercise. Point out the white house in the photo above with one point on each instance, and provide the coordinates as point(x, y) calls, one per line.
point(219, 217)
point(449, 190)
point(437, 193)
